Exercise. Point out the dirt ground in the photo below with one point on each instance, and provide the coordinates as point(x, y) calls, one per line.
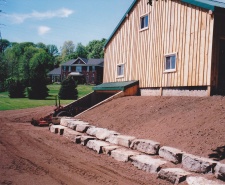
point(32, 155)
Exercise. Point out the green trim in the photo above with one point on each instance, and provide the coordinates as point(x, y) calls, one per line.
point(121, 21)
point(115, 86)
point(200, 4)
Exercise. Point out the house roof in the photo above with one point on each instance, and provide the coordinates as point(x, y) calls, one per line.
point(115, 86)
point(56, 71)
point(91, 61)
point(207, 4)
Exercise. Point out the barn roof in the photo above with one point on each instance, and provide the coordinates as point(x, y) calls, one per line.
point(207, 4)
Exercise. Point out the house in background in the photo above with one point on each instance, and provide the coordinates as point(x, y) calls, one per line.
point(175, 48)
point(55, 75)
point(83, 70)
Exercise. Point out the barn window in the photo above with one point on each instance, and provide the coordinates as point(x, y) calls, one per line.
point(120, 70)
point(170, 62)
point(144, 22)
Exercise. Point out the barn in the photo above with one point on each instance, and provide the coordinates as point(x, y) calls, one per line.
point(173, 48)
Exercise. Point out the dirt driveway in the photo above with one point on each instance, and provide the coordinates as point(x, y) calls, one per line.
point(32, 156)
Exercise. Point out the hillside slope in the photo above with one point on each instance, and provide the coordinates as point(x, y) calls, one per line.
point(195, 125)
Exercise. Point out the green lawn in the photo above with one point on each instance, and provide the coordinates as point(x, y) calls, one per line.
point(7, 103)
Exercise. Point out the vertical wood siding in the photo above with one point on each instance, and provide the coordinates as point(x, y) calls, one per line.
point(174, 27)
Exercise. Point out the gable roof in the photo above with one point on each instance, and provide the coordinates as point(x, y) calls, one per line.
point(56, 71)
point(207, 4)
point(91, 61)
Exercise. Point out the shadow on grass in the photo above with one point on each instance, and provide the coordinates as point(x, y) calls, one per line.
point(218, 154)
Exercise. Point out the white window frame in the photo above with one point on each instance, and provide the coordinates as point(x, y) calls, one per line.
point(171, 69)
point(141, 17)
point(117, 70)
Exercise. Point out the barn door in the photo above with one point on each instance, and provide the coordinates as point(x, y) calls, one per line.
point(221, 70)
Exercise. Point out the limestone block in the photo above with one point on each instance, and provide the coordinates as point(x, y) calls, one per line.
point(85, 139)
point(113, 139)
point(220, 171)
point(197, 164)
point(71, 125)
point(122, 154)
point(82, 128)
point(57, 129)
point(171, 154)
point(108, 149)
point(102, 134)
point(147, 163)
point(96, 145)
point(65, 120)
point(174, 175)
point(71, 134)
point(125, 140)
point(201, 181)
point(92, 131)
point(146, 146)
point(74, 123)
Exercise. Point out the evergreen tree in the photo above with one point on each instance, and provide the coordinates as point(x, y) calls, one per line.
point(68, 89)
point(16, 89)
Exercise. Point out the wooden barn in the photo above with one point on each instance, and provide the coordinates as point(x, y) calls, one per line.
point(174, 47)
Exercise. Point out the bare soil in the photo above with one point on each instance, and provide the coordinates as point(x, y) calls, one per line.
point(32, 155)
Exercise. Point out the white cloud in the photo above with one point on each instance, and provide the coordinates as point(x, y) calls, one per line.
point(43, 30)
point(20, 18)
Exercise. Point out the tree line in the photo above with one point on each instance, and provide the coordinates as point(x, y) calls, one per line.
point(26, 64)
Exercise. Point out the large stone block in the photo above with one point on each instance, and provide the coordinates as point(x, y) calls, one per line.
point(108, 149)
point(197, 164)
point(147, 163)
point(92, 130)
point(220, 171)
point(103, 134)
point(65, 120)
point(125, 140)
point(113, 139)
point(146, 146)
point(74, 123)
point(123, 154)
point(85, 139)
point(57, 129)
point(71, 134)
point(174, 175)
point(201, 181)
point(171, 154)
point(82, 128)
point(97, 145)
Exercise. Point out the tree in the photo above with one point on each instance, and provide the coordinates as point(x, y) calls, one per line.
point(52, 50)
point(38, 79)
point(95, 48)
point(68, 89)
point(67, 49)
point(16, 89)
point(3, 45)
point(81, 51)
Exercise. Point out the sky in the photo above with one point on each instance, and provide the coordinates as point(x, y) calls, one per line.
point(57, 21)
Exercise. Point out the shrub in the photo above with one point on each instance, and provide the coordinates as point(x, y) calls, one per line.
point(68, 89)
point(16, 89)
point(38, 89)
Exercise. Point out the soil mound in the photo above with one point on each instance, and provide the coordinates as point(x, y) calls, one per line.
point(192, 124)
